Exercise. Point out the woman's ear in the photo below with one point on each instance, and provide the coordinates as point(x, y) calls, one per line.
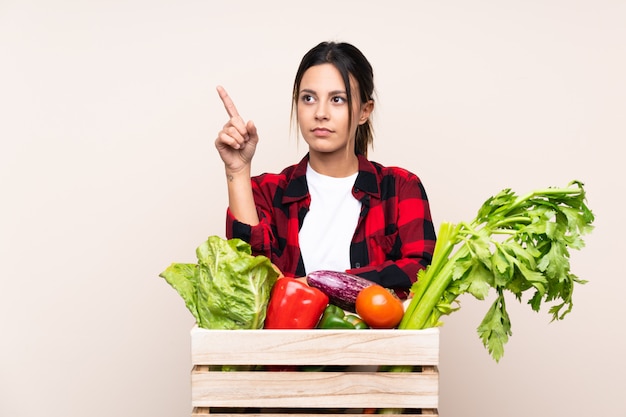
point(366, 110)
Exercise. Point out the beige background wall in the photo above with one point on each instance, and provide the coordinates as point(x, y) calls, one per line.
point(108, 174)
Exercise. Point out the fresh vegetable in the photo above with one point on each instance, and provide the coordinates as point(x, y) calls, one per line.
point(356, 321)
point(294, 305)
point(516, 244)
point(228, 288)
point(335, 317)
point(342, 288)
point(378, 307)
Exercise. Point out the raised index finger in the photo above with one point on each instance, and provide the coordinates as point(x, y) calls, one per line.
point(228, 103)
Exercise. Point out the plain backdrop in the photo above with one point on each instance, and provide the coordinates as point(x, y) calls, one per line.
point(108, 173)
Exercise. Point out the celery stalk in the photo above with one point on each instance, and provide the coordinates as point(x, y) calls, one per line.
point(515, 244)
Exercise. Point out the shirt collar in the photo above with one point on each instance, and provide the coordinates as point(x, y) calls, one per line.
point(297, 189)
point(368, 179)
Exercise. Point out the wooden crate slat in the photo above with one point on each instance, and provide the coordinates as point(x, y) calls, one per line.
point(315, 347)
point(206, 411)
point(315, 389)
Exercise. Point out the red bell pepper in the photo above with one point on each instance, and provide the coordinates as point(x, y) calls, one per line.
point(294, 305)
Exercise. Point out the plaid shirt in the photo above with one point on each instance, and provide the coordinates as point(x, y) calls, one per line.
point(394, 237)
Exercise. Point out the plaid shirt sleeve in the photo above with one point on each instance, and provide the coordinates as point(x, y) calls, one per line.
point(261, 236)
point(282, 201)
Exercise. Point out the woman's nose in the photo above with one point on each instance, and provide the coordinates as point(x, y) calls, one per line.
point(321, 113)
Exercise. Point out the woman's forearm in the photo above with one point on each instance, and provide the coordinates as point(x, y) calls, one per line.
point(240, 198)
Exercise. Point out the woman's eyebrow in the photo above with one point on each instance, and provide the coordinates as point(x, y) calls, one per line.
point(332, 93)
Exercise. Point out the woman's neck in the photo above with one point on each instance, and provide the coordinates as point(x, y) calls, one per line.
point(338, 165)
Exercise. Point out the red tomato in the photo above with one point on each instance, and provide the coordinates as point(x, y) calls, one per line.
point(379, 308)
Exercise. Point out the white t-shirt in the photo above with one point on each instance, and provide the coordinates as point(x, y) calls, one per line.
point(329, 225)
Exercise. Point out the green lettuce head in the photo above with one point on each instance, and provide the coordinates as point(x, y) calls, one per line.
point(228, 288)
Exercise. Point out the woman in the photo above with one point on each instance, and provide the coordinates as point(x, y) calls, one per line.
point(335, 209)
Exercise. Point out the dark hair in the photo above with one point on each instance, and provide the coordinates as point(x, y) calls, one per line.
point(349, 61)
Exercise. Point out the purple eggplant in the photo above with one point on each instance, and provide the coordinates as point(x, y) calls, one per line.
point(340, 287)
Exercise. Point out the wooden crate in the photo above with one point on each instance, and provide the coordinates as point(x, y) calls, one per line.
point(352, 382)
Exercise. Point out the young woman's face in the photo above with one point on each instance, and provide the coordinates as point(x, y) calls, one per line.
point(323, 111)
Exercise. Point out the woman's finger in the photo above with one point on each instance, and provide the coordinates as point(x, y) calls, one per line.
point(225, 139)
point(228, 102)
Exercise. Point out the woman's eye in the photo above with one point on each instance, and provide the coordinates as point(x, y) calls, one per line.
point(307, 98)
point(338, 100)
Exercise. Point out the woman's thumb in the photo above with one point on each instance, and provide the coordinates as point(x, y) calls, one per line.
point(252, 133)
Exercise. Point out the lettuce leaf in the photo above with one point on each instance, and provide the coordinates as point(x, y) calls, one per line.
point(183, 278)
point(229, 288)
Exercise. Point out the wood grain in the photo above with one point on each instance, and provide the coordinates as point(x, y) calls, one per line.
point(315, 347)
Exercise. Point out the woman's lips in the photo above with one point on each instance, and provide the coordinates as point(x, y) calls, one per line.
point(321, 132)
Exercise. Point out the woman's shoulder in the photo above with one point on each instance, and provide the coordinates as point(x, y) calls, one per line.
point(281, 178)
point(397, 172)
point(273, 176)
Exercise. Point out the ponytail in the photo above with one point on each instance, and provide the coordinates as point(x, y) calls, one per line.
point(364, 138)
